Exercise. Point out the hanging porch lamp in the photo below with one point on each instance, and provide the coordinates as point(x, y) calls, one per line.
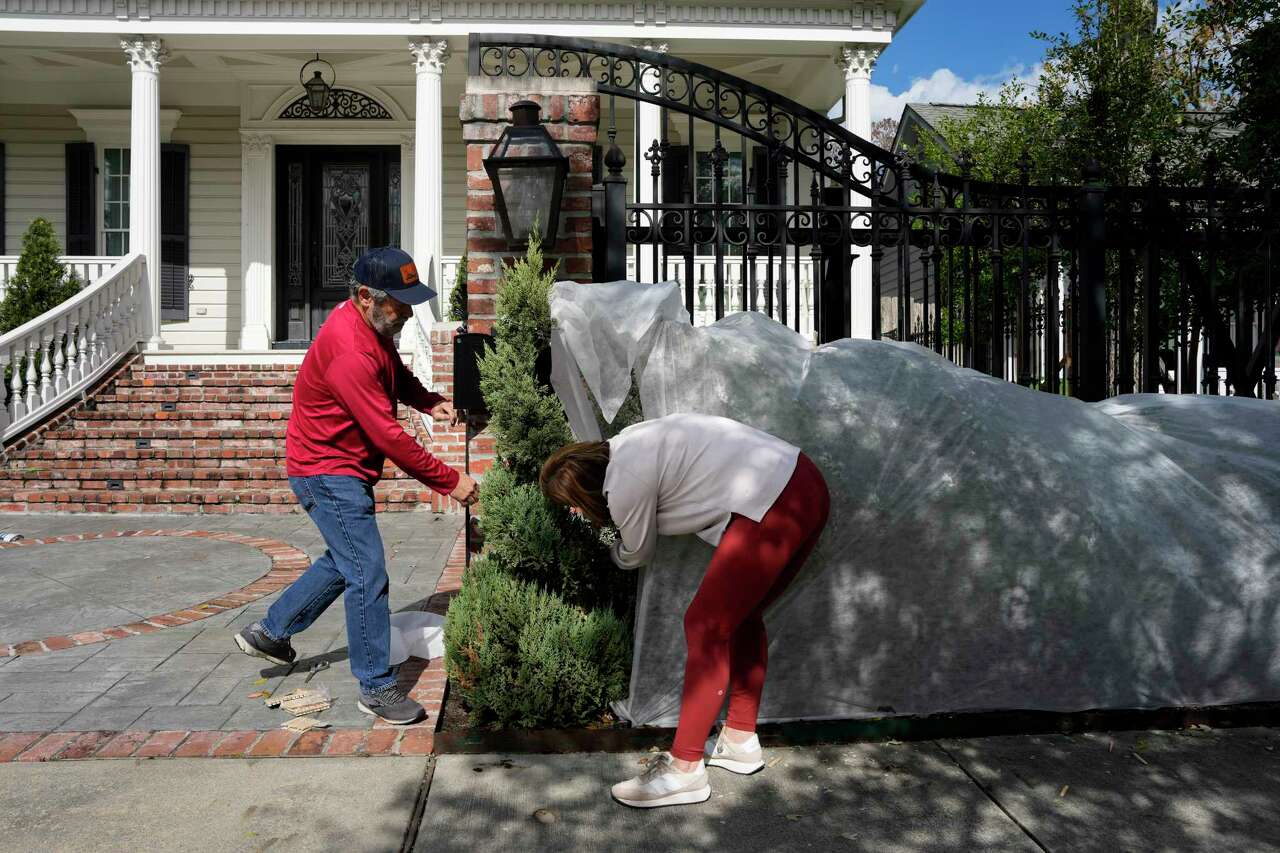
point(527, 171)
point(317, 89)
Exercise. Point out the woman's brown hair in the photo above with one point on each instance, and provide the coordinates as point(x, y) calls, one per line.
point(574, 476)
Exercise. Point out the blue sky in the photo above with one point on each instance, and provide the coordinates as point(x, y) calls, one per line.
point(953, 49)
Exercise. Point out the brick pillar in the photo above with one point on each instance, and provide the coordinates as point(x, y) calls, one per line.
point(570, 112)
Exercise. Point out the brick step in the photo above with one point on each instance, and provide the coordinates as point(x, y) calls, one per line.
point(275, 474)
point(183, 417)
point(185, 396)
point(115, 501)
point(203, 373)
point(75, 443)
point(128, 456)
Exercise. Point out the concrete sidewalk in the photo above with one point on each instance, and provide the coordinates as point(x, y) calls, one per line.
point(1132, 791)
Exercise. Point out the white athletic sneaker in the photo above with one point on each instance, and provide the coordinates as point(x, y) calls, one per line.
point(745, 758)
point(661, 784)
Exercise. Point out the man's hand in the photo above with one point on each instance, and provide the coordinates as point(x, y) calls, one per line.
point(444, 411)
point(465, 492)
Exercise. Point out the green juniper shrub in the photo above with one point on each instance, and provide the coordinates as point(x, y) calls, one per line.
point(539, 634)
point(40, 282)
point(458, 295)
point(520, 656)
point(536, 540)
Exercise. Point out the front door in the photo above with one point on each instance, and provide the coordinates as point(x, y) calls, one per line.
point(333, 203)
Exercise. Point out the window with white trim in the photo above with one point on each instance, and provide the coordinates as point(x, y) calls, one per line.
point(730, 182)
point(115, 201)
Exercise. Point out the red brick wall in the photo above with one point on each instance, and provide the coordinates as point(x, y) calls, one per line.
point(571, 120)
point(447, 443)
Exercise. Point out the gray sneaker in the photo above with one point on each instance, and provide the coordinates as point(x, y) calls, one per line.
point(392, 705)
point(254, 641)
point(661, 784)
point(743, 758)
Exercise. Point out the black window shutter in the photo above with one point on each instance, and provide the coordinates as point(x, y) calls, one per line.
point(675, 175)
point(175, 231)
point(82, 211)
point(1, 198)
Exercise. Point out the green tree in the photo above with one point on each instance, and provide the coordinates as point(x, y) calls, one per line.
point(538, 634)
point(40, 282)
point(458, 295)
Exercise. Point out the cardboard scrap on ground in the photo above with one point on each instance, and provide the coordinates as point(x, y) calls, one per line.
point(303, 724)
point(304, 700)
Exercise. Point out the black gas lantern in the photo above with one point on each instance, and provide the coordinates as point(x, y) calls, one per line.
point(317, 89)
point(527, 171)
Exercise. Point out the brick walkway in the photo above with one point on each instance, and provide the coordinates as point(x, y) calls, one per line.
point(182, 690)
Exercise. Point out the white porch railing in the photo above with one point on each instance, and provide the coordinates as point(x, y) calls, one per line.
point(704, 276)
point(90, 268)
point(57, 355)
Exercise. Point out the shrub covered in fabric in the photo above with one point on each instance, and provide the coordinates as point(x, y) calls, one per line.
point(40, 281)
point(520, 656)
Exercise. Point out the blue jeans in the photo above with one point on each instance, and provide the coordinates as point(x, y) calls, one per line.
point(354, 567)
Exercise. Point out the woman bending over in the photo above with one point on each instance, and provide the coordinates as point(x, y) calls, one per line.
point(762, 504)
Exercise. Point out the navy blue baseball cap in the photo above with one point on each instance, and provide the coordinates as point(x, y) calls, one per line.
point(392, 270)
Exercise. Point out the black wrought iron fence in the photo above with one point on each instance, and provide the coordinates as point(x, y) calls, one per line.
point(757, 203)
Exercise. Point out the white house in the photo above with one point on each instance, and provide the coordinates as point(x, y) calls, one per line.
point(176, 130)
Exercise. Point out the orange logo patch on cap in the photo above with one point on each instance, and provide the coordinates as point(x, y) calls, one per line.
point(409, 274)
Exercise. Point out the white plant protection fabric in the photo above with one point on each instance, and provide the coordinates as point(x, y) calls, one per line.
point(415, 634)
point(989, 547)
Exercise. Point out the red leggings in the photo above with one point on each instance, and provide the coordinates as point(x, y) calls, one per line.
point(724, 625)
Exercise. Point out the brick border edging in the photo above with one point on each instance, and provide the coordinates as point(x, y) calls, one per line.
point(287, 565)
point(428, 688)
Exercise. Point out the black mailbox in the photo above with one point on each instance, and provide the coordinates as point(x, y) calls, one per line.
point(467, 350)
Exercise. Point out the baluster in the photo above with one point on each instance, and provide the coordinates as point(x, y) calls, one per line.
point(82, 328)
point(17, 406)
point(31, 390)
point(100, 329)
point(4, 408)
point(73, 350)
point(90, 349)
point(95, 332)
point(108, 335)
point(117, 321)
point(48, 340)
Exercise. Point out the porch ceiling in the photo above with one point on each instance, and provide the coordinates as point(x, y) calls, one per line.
point(801, 70)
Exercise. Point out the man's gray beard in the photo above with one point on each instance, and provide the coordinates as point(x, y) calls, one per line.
point(387, 328)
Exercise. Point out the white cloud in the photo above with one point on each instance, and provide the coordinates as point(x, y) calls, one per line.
point(944, 86)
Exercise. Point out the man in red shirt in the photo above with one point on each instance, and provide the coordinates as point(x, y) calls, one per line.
point(342, 429)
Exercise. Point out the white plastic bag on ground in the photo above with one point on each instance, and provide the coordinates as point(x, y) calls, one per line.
point(416, 634)
point(989, 547)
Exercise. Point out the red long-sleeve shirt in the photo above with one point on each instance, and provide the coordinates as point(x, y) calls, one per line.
point(344, 408)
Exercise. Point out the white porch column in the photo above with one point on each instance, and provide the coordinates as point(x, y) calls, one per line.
point(857, 61)
point(429, 61)
point(648, 133)
point(407, 172)
point(257, 230)
point(145, 56)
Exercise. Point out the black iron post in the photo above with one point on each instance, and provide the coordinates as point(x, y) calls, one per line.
point(1150, 376)
point(1093, 290)
point(615, 213)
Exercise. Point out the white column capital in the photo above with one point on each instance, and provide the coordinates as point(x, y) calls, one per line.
point(857, 60)
point(407, 141)
point(145, 54)
point(256, 144)
point(430, 57)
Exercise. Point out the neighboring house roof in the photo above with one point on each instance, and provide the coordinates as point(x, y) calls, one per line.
point(924, 119)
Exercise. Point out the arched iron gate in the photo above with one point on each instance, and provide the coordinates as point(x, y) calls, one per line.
point(764, 203)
